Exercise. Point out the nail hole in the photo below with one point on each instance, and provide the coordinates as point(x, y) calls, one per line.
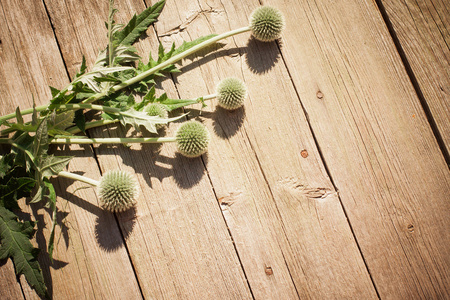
point(304, 153)
point(411, 228)
point(319, 95)
point(269, 271)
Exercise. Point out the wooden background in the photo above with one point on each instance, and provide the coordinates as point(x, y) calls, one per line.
point(331, 182)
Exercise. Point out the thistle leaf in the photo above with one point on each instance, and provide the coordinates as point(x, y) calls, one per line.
point(51, 165)
point(14, 189)
point(19, 117)
point(15, 243)
point(140, 118)
point(187, 45)
point(82, 68)
point(172, 104)
point(139, 24)
point(40, 143)
point(61, 120)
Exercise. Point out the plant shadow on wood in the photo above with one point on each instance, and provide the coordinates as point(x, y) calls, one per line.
point(226, 123)
point(107, 232)
point(261, 56)
point(106, 223)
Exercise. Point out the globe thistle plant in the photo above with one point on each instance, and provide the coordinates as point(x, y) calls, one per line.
point(118, 190)
point(192, 139)
point(231, 93)
point(266, 23)
point(157, 109)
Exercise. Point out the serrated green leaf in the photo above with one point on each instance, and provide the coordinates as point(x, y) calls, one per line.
point(140, 118)
point(62, 120)
point(148, 98)
point(80, 120)
point(187, 45)
point(6, 164)
point(34, 117)
point(14, 189)
point(39, 195)
point(22, 150)
point(83, 68)
point(19, 117)
point(52, 205)
point(54, 91)
point(15, 243)
point(40, 143)
point(172, 104)
point(139, 24)
point(51, 165)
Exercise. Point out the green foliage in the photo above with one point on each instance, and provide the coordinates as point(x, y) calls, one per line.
point(15, 182)
point(29, 166)
point(139, 24)
point(15, 243)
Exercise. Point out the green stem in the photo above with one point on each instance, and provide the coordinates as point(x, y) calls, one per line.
point(62, 106)
point(167, 63)
point(7, 141)
point(208, 97)
point(79, 178)
point(89, 125)
point(112, 140)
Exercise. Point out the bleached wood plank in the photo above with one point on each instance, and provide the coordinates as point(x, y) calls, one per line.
point(375, 140)
point(82, 268)
point(178, 242)
point(423, 30)
point(281, 209)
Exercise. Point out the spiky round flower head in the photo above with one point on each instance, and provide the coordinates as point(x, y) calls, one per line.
point(118, 190)
point(157, 109)
point(266, 23)
point(192, 139)
point(231, 93)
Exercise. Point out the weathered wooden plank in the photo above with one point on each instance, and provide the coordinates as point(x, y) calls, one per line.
point(281, 208)
point(9, 286)
point(422, 28)
point(177, 239)
point(82, 268)
point(376, 141)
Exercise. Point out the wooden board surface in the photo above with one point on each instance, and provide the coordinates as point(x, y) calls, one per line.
point(329, 183)
point(270, 202)
point(376, 142)
point(82, 265)
point(423, 31)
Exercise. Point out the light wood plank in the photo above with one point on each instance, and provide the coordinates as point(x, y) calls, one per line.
point(376, 142)
point(177, 239)
point(423, 30)
point(9, 286)
point(82, 260)
point(281, 209)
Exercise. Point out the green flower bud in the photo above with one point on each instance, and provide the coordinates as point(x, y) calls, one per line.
point(266, 23)
point(231, 93)
point(192, 139)
point(118, 190)
point(157, 109)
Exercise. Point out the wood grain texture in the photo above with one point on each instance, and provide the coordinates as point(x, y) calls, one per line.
point(176, 237)
point(9, 286)
point(375, 140)
point(281, 209)
point(423, 30)
point(82, 267)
